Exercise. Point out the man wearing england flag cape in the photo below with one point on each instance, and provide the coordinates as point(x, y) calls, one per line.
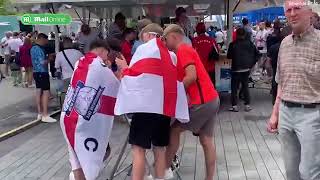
point(88, 112)
point(152, 93)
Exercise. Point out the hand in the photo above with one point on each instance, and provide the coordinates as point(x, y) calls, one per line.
point(272, 125)
point(121, 63)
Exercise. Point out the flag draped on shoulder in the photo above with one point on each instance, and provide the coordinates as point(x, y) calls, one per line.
point(150, 84)
point(88, 113)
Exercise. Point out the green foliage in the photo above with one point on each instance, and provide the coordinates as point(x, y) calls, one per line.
point(6, 8)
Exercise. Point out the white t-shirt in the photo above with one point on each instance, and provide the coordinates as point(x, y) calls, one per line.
point(219, 37)
point(14, 44)
point(261, 39)
point(4, 42)
point(61, 62)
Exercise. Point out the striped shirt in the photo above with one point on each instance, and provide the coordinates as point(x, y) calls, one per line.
point(298, 71)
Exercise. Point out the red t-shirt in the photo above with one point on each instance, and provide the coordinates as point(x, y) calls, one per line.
point(204, 45)
point(202, 91)
point(126, 48)
point(234, 35)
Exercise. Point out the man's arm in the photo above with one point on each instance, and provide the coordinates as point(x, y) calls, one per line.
point(190, 75)
point(274, 119)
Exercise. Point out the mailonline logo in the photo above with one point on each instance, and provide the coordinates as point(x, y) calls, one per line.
point(46, 19)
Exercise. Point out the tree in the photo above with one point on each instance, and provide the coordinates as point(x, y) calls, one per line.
point(5, 8)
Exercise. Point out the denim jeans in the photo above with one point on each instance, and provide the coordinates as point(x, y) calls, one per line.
point(17, 77)
point(299, 130)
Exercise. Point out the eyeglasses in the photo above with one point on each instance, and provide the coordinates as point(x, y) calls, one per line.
point(156, 34)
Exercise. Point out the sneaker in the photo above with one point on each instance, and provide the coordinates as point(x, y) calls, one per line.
point(175, 163)
point(150, 177)
point(247, 108)
point(168, 174)
point(39, 117)
point(48, 119)
point(234, 109)
point(71, 176)
point(32, 86)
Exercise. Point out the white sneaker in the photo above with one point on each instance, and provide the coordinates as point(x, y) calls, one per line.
point(48, 119)
point(150, 177)
point(39, 117)
point(169, 174)
point(71, 176)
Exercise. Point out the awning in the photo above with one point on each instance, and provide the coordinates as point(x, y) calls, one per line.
point(165, 7)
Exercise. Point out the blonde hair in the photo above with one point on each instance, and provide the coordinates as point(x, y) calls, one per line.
point(173, 28)
point(143, 23)
point(153, 27)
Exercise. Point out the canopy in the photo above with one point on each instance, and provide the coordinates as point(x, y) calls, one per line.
point(158, 7)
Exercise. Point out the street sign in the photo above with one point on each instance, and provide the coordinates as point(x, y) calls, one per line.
point(46, 19)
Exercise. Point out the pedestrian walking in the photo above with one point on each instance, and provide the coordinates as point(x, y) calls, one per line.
point(15, 65)
point(26, 62)
point(203, 101)
point(244, 56)
point(220, 38)
point(296, 113)
point(6, 52)
point(207, 49)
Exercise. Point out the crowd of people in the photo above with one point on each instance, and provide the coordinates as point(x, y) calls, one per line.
point(129, 53)
point(164, 79)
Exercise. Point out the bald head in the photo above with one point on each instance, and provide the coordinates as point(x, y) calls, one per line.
point(298, 13)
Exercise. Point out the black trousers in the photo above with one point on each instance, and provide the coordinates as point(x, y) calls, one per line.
point(53, 70)
point(274, 91)
point(236, 79)
point(213, 77)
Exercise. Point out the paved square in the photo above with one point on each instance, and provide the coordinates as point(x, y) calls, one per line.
point(244, 150)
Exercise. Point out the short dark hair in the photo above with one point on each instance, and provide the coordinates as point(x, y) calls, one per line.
point(268, 24)
point(180, 10)
point(99, 44)
point(114, 44)
point(241, 33)
point(245, 21)
point(85, 29)
point(119, 16)
point(66, 39)
point(42, 36)
point(15, 34)
point(128, 31)
point(67, 42)
point(53, 35)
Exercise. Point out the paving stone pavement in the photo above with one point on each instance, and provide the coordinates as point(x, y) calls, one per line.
point(245, 151)
point(18, 105)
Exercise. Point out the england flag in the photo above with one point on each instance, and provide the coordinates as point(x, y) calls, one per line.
point(88, 113)
point(150, 84)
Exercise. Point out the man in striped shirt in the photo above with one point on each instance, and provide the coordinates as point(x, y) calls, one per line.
point(296, 113)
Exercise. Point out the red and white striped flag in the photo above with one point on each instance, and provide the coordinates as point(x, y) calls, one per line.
point(150, 84)
point(88, 113)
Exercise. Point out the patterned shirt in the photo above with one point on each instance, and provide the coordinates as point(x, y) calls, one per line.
point(298, 71)
point(38, 58)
